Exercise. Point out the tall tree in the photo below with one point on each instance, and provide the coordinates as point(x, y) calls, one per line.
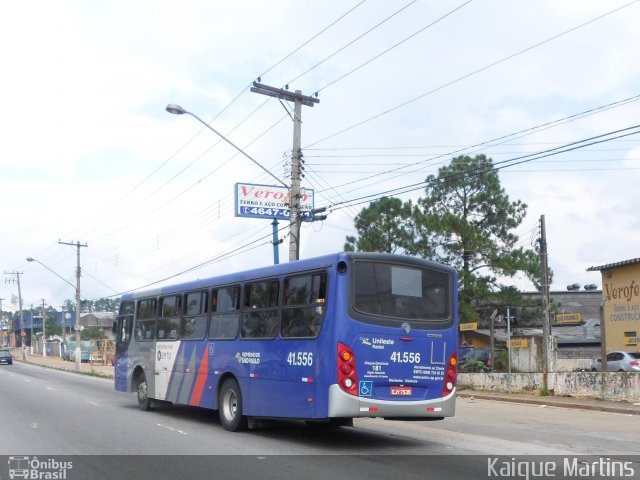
point(465, 220)
point(471, 219)
point(386, 225)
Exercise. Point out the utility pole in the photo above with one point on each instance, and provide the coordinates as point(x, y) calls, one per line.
point(1, 322)
point(22, 334)
point(64, 325)
point(44, 334)
point(546, 324)
point(77, 325)
point(296, 156)
point(4, 335)
point(31, 325)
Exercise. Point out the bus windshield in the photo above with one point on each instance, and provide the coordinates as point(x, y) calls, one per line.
point(401, 292)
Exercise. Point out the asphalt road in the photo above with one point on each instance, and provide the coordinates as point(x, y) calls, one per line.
point(48, 413)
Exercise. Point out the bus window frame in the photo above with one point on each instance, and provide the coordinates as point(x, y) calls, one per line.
point(248, 312)
point(125, 320)
point(313, 327)
point(144, 320)
point(214, 313)
point(189, 316)
point(171, 319)
point(442, 323)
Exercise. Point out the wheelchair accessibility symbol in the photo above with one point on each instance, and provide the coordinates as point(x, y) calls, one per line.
point(365, 388)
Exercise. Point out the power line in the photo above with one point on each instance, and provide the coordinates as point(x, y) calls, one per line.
point(499, 165)
point(468, 75)
point(395, 45)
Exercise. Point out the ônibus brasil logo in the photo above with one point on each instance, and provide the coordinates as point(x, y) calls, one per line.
point(34, 468)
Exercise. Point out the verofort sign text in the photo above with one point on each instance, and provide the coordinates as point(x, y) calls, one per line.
point(267, 201)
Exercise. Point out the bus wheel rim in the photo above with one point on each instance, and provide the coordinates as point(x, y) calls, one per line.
point(231, 404)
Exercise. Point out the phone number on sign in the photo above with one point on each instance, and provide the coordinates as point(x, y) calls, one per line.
point(265, 212)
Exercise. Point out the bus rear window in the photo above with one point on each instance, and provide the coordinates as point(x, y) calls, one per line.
point(401, 291)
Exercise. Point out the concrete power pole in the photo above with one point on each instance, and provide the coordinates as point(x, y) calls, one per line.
point(546, 324)
point(77, 326)
point(44, 333)
point(296, 155)
point(24, 348)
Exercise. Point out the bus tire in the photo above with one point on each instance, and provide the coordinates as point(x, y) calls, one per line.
point(230, 406)
point(144, 402)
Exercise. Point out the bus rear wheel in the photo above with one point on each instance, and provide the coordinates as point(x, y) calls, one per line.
point(144, 402)
point(230, 407)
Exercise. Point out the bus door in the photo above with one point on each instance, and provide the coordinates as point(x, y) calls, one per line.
point(122, 332)
point(167, 345)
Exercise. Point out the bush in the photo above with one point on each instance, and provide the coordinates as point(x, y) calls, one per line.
point(474, 366)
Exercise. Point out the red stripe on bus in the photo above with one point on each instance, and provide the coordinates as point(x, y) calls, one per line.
point(198, 389)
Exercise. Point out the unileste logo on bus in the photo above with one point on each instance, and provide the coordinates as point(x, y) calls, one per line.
point(377, 343)
point(252, 358)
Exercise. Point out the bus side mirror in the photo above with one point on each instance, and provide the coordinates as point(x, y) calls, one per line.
point(114, 328)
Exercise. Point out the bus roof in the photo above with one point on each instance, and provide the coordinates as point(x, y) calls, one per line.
point(280, 269)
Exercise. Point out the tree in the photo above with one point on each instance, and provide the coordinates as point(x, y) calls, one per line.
point(471, 219)
point(386, 225)
point(92, 333)
point(466, 220)
point(51, 328)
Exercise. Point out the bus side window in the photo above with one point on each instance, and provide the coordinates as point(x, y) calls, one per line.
point(169, 321)
point(304, 305)
point(260, 316)
point(125, 322)
point(145, 327)
point(194, 321)
point(225, 304)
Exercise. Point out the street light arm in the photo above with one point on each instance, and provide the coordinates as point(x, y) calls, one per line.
point(178, 110)
point(31, 259)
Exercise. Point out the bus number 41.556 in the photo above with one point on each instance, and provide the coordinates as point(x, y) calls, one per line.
point(300, 359)
point(405, 357)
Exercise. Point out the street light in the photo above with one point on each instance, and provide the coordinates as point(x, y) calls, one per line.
point(178, 110)
point(31, 259)
point(77, 289)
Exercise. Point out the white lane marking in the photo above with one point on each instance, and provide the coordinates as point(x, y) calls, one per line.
point(181, 432)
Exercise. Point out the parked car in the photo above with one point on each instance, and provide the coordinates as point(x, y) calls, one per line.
point(476, 360)
point(482, 354)
point(619, 362)
point(85, 356)
point(5, 356)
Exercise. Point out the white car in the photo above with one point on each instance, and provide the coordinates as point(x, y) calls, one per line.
point(619, 362)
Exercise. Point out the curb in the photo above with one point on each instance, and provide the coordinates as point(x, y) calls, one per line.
point(91, 372)
point(548, 401)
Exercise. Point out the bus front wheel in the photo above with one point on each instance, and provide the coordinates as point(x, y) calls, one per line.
point(230, 406)
point(144, 402)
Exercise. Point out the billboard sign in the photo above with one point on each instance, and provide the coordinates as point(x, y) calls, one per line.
point(568, 318)
point(267, 201)
point(465, 327)
point(519, 343)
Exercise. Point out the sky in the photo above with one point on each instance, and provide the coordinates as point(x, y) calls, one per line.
point(89, 154)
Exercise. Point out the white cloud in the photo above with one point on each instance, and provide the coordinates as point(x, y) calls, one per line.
point(85, 86)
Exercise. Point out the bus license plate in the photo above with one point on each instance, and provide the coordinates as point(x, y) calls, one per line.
point(402, 391)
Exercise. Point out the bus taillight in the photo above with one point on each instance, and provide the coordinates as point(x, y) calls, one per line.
point(347, 378)
point(450, 375)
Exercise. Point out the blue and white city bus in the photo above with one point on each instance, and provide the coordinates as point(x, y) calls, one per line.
point(326, 339)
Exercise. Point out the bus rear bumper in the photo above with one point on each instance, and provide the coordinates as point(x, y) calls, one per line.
point(341, 404)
